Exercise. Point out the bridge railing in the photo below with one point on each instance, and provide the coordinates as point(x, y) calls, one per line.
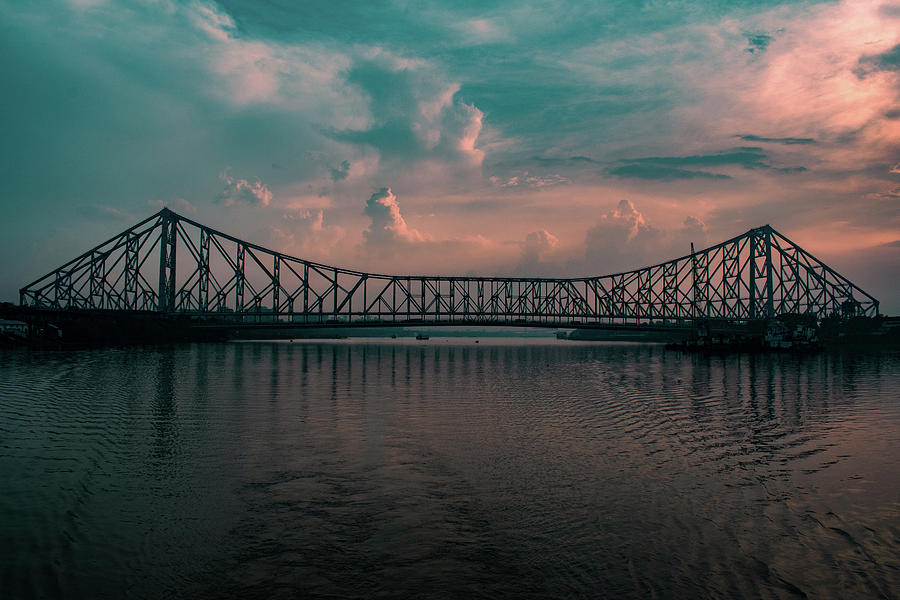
point(172, 264)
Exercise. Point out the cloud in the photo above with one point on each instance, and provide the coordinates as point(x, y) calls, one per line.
point(749, 158)
point(623, 239)
point(103, 212)
point(670, 167)
point(568, 161)
point(872, 63)
point(340, 173)
point(248, 71)
point(539, 242)
point(892, 193)
point(178, 205)
point(535, 248)
point(663, 173)
point(525, 179)
point(817, 82)
point(125, 104)
point(414, 113)
point(236, 191)
point(388, 228)
point(758, 42)
point(481, 31)
point(618, 229)
point(789, 141)
point(305, 234)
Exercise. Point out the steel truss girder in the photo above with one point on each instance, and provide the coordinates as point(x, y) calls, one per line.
point(204, 272)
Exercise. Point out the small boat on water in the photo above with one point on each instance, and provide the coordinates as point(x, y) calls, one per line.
point(421, 336)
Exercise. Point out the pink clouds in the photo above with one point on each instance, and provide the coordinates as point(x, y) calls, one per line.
point(807, 83)
point(388, 227)
point(305, 234)
point(530, 180)
point(254, 193)
point(536, 249)
point(623, 239)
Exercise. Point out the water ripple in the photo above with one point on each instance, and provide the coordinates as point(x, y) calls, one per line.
point(527, 469)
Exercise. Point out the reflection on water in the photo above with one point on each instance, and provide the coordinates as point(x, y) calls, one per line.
point(510, 468)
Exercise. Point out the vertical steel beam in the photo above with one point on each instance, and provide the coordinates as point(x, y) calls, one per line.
point(168, 237)
point(770, 295)
point(334, 288)
point(306, 290)
point(131, 271)
point(95, 299)
point(239, 279)
point(203, 291)
point(751, 276)
point(693, 282)
point(276, 282)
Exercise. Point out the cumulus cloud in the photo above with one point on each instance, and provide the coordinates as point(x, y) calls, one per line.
point(254, 193)
point(535, 249)
point(414, 113)
point(538, 243)
point(388, 227)
point(158, 96)
point(439, 251)
point(623, 239)
point(312, 221)
point(304, 233)
point(620, 234)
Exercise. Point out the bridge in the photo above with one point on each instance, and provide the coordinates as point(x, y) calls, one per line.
point(173, 265)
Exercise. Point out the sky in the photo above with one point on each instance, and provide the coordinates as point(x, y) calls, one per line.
point(497, 137)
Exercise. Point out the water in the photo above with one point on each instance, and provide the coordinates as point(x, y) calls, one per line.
point(446, 469)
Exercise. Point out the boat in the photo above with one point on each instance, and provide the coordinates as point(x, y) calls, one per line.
point(421, 336)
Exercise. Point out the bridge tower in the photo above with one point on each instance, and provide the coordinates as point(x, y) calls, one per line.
point(168, 245)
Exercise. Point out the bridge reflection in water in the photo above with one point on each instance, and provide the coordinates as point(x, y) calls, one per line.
point(514, 468)
point(174, 265)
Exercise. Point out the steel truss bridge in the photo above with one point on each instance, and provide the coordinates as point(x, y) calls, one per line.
point(173, 265)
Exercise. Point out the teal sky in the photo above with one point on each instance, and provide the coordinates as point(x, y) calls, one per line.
point(532, 138)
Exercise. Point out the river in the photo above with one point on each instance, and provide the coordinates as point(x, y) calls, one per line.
point(397, 468)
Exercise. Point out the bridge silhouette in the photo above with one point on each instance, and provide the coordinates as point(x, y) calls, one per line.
point(173, 265)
